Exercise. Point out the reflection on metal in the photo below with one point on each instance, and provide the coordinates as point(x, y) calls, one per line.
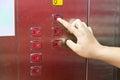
point(104, 22)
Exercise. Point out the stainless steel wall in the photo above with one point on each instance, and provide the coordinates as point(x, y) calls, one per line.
point(105, 22)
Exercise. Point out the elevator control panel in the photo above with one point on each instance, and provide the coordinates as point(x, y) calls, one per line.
point(43, 52)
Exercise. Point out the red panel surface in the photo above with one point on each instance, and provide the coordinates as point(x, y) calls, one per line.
point(58, 63)
point(8, 58)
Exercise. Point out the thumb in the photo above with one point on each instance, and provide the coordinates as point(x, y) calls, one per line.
point(72, 45)
point(90, 29)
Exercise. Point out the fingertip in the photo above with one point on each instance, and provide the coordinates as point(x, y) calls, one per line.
point(62, 21)
point(70, 44)
point(59, 19)
point(78, 20)
point(67, 42)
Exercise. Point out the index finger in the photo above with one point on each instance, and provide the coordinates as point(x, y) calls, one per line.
point(68, 26)
point(64, 23)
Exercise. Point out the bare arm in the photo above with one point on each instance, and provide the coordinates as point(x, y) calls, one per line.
point(87, 46)
point(110, 55)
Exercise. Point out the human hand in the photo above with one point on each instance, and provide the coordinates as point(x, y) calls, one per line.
point(86, 45)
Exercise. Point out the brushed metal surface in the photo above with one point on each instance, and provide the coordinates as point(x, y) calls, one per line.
point(104, 22)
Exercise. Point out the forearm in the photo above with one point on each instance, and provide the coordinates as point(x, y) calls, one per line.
point(110, 55)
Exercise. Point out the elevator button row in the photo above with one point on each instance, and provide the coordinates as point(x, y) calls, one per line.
point(57, 31)
point(35, 70)
point(35, 45)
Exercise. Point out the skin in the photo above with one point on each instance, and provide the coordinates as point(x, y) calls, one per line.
point(87, 46)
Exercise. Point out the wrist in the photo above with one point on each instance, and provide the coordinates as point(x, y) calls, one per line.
point(100, 52)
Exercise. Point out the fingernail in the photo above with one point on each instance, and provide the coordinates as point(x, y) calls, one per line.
point(59, 19)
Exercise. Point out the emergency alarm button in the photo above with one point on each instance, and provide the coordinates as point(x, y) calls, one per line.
point(36, 32)
point(36, 57)
point(36, 45)
point(36, 70)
